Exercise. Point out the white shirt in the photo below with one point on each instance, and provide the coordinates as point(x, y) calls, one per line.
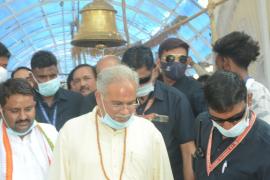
point(260, 99)
point(76, 154)
point(30, 154)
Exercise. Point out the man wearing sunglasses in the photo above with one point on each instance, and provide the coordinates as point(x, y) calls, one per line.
point(173, 61)
point(167, 108)
point(234, 143)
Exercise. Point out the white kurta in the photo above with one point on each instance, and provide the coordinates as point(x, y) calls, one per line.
point(76, 154)
point(30, 154)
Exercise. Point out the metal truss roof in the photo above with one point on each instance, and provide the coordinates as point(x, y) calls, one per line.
point(31, 25)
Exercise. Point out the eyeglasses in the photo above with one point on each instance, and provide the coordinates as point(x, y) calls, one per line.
point(173, 58)
point(118, 106)
point(234, 118)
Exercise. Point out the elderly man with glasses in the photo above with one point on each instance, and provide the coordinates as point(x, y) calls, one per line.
point(111, 142)
point(232, 142)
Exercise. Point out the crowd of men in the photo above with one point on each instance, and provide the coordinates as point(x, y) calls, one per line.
point(136, 117)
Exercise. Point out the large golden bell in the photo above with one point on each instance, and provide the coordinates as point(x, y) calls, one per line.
point(98, 27)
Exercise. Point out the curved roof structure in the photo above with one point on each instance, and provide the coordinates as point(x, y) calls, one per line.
point(31, 25)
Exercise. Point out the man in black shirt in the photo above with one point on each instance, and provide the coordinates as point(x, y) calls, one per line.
point(173, 57)
point(232, 143)
point(167, 108)
point(55, 105)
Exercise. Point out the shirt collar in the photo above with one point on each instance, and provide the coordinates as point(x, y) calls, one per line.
point(60, 95)
point(158, 92)
point(180, 81)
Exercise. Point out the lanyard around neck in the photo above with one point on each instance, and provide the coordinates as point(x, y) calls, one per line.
point(45, 115)
point(211, 166)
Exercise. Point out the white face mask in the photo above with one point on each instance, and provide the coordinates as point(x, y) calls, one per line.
point(144, 90)
point(49, 88)
point(3, 74)
point(237, 129)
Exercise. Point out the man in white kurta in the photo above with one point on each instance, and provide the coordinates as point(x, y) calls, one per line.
point(25, 145)
point(31, 155)
point(77, 155)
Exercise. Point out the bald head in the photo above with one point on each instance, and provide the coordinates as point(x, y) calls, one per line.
point(107, 61)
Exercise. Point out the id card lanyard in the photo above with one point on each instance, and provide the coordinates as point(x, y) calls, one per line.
point(45, 115)
point(211, 166)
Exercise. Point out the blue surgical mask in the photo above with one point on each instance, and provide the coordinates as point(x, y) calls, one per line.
point(49, 88)
point(174, 70)
point(16, 133)
point(108, 120)
point(13, 132)
point(144, 90)
point(237, 129)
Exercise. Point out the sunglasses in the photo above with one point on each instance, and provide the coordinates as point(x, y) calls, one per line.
point(144, 80)
point(234, 118)
point(173, 58)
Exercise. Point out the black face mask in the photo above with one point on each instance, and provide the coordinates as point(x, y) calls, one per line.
point(174, 70)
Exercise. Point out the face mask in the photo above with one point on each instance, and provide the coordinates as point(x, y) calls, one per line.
point(145, 89)
point(16, 133)
point(3, 74)
point(237, 129)
point(49, 88)
point(174, 70)
point(108, 120)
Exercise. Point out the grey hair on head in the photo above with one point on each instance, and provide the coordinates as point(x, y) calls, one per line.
point(116, 73)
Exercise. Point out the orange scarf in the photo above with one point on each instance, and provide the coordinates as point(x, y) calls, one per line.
point(8, 152)
point(9, 164)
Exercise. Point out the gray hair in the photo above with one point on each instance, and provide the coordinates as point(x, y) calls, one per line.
point(113, 74)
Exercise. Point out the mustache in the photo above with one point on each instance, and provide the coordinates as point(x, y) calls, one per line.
point(84, 88)
point(22, 121)
point(127, 116)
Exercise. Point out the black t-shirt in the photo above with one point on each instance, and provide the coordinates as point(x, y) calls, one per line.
point(179, 129)
point(249, 161)
point(88, 104)
point(194, 92)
